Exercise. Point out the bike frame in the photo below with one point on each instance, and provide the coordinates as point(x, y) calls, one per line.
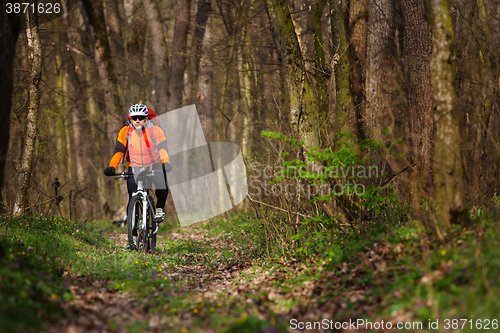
point(142, 191)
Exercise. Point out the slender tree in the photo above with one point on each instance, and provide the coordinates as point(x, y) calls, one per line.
point(9, 30)
point(247, 99)
point(77, 121)
point(34, 76)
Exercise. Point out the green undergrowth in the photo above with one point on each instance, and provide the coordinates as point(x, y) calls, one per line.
point(454, 279)
point(401, 270)
point(34, 252)
point(397, 269)
point(40, 257)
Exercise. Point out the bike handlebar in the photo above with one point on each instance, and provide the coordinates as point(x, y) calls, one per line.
point(126, 174)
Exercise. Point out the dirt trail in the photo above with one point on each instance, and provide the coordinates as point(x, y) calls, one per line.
point(95, 308)
point(225, 284)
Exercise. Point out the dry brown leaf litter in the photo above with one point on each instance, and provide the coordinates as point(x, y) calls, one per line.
point(235, 283)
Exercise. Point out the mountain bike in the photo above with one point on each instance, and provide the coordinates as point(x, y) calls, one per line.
point(141, 226)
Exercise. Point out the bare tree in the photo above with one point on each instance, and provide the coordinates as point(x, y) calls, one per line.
point(34, 76)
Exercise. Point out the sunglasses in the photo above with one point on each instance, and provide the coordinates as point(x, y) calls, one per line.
point(138, 117)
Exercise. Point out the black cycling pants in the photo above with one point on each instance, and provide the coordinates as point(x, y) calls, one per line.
point(160, 182)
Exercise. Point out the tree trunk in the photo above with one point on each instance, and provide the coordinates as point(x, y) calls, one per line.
point(383, 93)
point(315, 62)
point(179, 48)
point(416, 47)
point(202, 15)
point(9, 30)
point(63, 144)
point(114, 25)
point(64, 141)
point(246, 95)
point(357, 31)
point(115, 34)
point(205, 103)
point(92, 109)
point(77, 122)
point(448, 181)
point(340, 112)
point(114, 113)
point(35, 71)
point(303, 107)
point(159, 48)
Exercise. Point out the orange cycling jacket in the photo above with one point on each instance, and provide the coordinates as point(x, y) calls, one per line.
point(145, 147)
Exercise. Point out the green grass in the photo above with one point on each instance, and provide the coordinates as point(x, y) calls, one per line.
point(34, 252)
point(421, 276)
point(400, 268)
point(457, 279)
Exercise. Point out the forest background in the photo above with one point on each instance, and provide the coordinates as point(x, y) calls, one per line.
point(312, 70)
point(316, 94)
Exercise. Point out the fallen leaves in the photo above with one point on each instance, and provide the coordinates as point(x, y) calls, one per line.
point(225, 280)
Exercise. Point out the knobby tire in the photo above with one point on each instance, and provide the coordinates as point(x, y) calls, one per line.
point(151, 225)
point(134, 215)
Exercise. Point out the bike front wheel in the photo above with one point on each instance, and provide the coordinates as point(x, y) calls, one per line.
point(148, 239)
point(134, 216)
point(151, 226)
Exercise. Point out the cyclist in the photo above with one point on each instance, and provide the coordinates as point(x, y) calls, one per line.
point(145, 145)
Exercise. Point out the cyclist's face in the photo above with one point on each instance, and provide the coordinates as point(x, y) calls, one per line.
point(139, 122)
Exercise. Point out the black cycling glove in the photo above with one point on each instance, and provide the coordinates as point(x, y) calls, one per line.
point(109, 171)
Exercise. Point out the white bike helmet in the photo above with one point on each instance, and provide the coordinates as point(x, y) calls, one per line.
point(138, 110)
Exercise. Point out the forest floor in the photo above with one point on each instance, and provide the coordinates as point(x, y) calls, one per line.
point(231, 291)
point(66, 276)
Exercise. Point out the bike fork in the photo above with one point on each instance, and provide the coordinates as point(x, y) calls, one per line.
point(144, 214)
